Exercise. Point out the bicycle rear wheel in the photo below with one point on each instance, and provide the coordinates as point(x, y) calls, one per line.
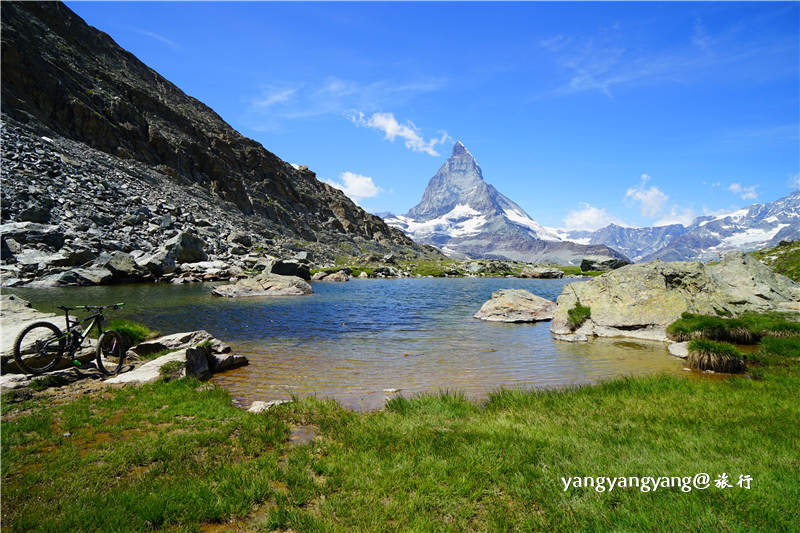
point(38, 347)
point(110, 354)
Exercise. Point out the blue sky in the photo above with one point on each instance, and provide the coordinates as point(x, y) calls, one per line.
point(582, 113)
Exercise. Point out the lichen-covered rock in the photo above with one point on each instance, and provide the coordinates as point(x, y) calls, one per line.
point(264, 285)
point(640, 300)
point(516, 305)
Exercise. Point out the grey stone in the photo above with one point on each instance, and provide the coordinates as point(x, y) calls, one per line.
point(516, 305)
point(175, 341)
point(264, 285)
point(186, 248)
point(197, 363)
point(240, 237)
point(259, 406)
point(291, 268)
point(75, 277)
point(679, 349)
point(541, 272)
point(148, 372)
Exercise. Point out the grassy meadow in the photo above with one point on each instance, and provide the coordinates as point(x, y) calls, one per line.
point(177, 455)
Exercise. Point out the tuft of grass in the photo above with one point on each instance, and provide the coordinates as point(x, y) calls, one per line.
point(45, 382)
point(576, 271)
point(578, 315)
point(133, 331)
point(171, 370)
point(717, 356)
point(749, 328)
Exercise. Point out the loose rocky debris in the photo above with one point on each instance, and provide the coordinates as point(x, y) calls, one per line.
point(516, 305)
point(72, 215)
point(641, 300)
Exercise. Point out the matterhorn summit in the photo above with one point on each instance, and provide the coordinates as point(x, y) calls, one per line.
point(467, 217)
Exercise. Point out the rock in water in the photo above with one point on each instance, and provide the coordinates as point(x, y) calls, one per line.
point(641, 300)
point(265, 285)
point(516, 305)
point(541, 272)
point(337, 276)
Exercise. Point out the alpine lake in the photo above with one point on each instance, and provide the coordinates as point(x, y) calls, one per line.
point(362, 341)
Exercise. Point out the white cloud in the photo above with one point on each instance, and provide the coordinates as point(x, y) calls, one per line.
point(355, 186)
point(392, 129)
point(590, 218)
point(157, 37)
point(273, 96)
point(794, 181)
point(334, 96)
point(747, 193)
point(677, 215)
point(651, 199)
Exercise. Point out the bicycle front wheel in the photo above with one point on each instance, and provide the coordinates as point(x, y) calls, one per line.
point(39, 347)
point(110, 354)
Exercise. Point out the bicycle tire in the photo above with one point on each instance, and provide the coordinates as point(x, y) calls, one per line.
point(110, 354)
point(42, 343)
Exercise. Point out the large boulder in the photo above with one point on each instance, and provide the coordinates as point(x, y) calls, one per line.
point(158, 263)
point(541, 272)
point(33, 233)
point(291, 268)
point(336, 276)
point(641, 300)
point(75, 277)
point(516, 305)
point(122, 265)
point(186, 247)
point(264, 285)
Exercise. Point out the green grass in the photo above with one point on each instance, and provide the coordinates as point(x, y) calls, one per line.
point(717, 356)
point(747, 329)
point(576, 271)
point(45, 382)
point(578, 315)
point(783, 259)
point(171, 370)
point(132, 332)
point(176, 455)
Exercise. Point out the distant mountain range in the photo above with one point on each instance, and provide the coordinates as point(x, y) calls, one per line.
point(465, 216)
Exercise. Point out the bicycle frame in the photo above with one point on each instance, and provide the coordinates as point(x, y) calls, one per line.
point(96, 318)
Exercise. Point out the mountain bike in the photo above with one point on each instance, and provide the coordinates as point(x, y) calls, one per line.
point(40, 346)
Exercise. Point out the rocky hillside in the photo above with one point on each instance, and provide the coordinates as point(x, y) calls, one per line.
point(467, 217)
point(117, 158)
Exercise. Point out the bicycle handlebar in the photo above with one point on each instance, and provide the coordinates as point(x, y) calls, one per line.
point(91, 307)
